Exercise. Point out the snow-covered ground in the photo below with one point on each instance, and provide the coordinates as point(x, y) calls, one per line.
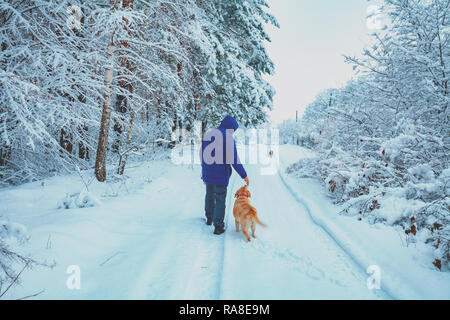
point(147, 240)
point(406, 272)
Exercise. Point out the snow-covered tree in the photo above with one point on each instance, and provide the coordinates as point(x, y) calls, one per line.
point(92, 81)
point(237, 62)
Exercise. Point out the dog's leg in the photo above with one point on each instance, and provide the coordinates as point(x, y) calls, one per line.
point(246, 234)
point(253, 230)
point(237, 225)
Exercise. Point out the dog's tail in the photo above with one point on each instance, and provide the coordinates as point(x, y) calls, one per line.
point(254, 214)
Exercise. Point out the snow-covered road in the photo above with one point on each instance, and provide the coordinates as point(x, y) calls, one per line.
point(152, 242)
point(292, 258)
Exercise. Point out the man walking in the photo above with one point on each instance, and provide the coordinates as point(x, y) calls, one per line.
point(219, 153)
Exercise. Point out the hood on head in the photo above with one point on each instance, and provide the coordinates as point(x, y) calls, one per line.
point(229, 123)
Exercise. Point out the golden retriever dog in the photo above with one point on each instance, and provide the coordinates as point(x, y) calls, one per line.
point(244, 213)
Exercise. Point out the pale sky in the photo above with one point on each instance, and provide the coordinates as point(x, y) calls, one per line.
point(308, 48)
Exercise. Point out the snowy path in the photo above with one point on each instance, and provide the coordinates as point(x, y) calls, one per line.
point(153, 244)
point(290, 259)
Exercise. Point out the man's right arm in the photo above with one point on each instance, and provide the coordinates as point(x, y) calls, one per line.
point(237, 165)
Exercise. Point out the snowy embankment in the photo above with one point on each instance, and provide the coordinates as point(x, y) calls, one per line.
point(406, 271)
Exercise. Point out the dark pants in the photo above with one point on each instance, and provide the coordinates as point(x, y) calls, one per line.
point(215, 203)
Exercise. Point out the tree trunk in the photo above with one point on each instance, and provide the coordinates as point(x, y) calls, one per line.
point(100, 161)
point(5, 150)
point(124, 83)
point(83, 150)
point(122, 169)
point(65, 140)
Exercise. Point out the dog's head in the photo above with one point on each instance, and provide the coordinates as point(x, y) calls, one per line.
point(243, 192)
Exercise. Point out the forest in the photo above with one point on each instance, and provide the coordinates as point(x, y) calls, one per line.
point(91, 82)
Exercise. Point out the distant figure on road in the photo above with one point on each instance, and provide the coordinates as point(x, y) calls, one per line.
point(219, 153)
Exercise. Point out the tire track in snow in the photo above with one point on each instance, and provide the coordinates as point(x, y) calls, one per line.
point(184, 259)
point(181, 267)
point(328, 232)
point(188, 265)
point(222, 259)
point(203, 278)
point(200, 267)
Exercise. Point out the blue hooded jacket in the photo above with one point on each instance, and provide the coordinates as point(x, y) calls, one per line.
point(217, 169)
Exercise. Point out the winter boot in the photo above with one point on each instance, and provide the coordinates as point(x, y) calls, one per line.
point(219, 230)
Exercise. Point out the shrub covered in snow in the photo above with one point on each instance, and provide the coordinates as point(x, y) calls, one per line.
point(81, 199)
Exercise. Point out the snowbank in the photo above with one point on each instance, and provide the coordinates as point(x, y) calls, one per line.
point(406, 271)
